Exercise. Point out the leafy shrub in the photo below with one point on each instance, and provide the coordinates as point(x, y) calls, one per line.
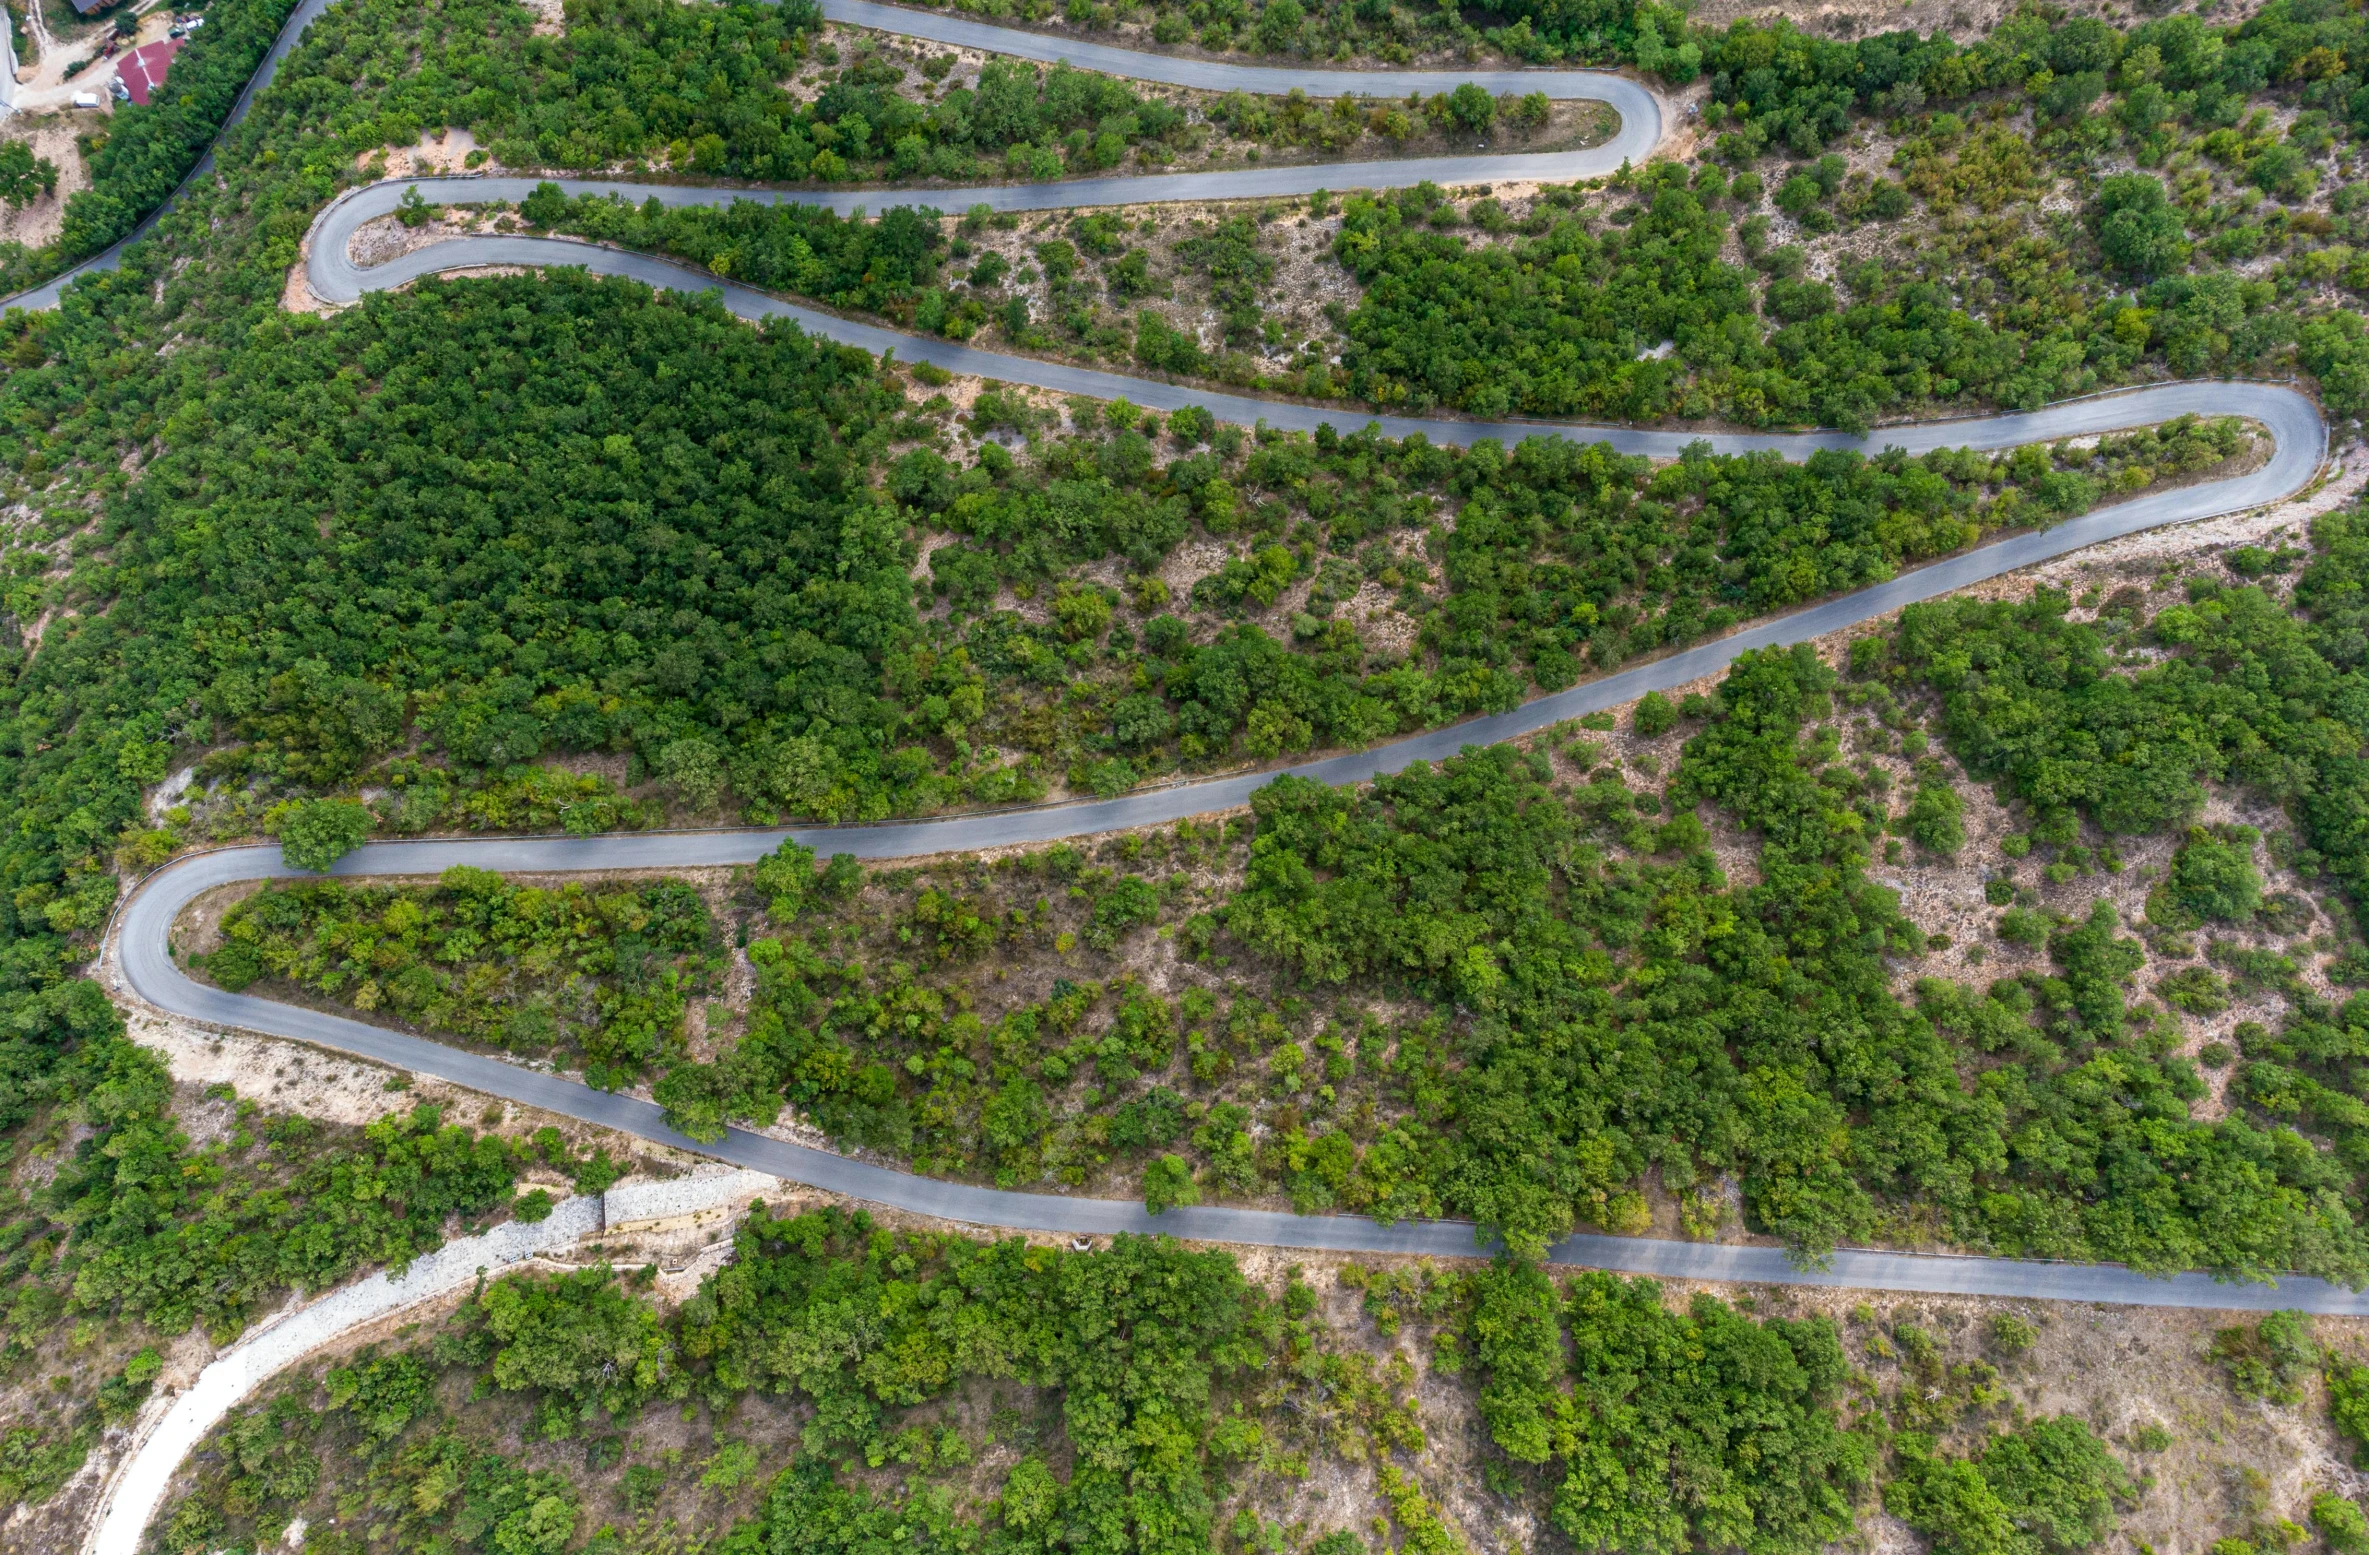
point(2213, 875)
point(2340, 1522)
point(2050, 1486)
point(1167, 1183)
point(578, 1343)
point(606, 973)
point(1791, 1490)
point(316, 833)
point(2137, 227)
point(2270, 1360)
point(1936, 818)
point(2024, 926)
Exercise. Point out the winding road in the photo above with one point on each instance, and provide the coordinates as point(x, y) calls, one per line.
point(148, 969)
point(140, 937)
point(2298, 433)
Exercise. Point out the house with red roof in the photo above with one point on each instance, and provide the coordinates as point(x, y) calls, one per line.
point(142, 71)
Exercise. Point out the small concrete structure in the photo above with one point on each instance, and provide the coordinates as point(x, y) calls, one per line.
point(709, 1201)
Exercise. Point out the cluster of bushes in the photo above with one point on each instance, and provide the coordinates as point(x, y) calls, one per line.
point(606, 975)
point(1145, 1344)
point(143, 1231)
point(881, 266)
point(755, 596)
point(1782, 87)
point(1569, 323)
point(1756, 1033)
point(1172, 1391)
point(140, 1223)
point(1391, 30)
point(1562, 556)
point(1705, 1428)
point(634, 78)
point(899, 1058)
point(2249, 693)
point(1621, 1009)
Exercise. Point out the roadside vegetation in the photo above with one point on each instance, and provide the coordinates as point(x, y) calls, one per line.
point(1873, 231)
point(120, 1232)
point(145, 151)
point(607, 975)
point(1551, 988)
point(1521, 987)
point(1140, 1397)
point(1391, 31)
point(547, 551)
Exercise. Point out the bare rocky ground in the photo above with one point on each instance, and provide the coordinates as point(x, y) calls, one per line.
point(51, 135)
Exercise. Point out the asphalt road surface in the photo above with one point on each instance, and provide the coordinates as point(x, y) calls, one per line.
point(1640, 127)
point(148, 966)
point(144, 926)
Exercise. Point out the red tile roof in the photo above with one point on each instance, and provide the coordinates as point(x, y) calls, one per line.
point(142, 71)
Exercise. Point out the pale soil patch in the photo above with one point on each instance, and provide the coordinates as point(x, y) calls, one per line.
point(611, 766)
point(286, 1076)
point(386, 238)
point(476, 273)
point(51, 136)
point(439, 152)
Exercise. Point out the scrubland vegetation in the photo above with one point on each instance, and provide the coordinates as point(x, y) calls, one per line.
point(864, 1386)
point(535, 552)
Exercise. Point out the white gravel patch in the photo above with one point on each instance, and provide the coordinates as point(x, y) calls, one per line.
point(172, 1428)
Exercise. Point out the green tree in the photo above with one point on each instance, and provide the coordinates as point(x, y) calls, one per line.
point(2137, 226)
point(2341, 1523)
point(2348, 1405)
point(2048, 1489)
point(1472, 107)
point(2213, 875)
point(1936, 818)
point(579, 1342)
point(1168, 1183)
point(316, 833)
point(23, 178)
point(2271, 1359)
point(1517, 1336)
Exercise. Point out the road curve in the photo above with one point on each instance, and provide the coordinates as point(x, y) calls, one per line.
point(1640, 115)
point(147, 964)
point(144, 926)
point(166, 1433)
point(169, 1429)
